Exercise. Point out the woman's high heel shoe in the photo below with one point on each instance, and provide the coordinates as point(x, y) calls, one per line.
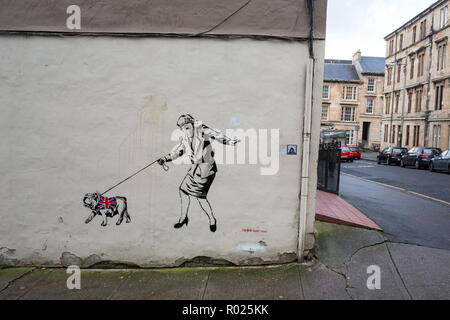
point(181, 224)
point(213, 227)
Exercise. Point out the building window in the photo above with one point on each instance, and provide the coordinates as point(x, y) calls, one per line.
point(423, 29)
point(397, 101)
point(414, 34)
point(350, 139)
point(388, 103)
point(421, 58)
point(444, 17)
point(386, 132)
point(418, 100)
point(371, 85)
point(369, 106)
point(401, 42)
point(407, 136)
point(348, 114)
point(442, 54)
point(325, 113)
point(391, 47)
point(416, 136)
point(350, 93)
point(393, 134)
point(411, 72)
point(389, 76)
point(399, 70)
point(439, 96)
point(326, 92)
point(410, 100)
point(436, 136)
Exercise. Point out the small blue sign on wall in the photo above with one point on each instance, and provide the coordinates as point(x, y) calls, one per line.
point(292, 150)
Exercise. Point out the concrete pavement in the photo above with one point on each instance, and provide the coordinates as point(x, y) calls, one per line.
point(338, 271)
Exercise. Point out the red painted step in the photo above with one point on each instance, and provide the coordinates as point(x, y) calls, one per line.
point(331, 208)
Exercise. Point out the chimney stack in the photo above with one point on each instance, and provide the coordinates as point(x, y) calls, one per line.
point(357, 56)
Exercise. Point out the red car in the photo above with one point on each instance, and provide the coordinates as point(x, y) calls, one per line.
point(346, 154)
point(356, 153)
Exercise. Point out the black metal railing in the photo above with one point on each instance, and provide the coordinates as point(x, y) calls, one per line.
point(329, 167)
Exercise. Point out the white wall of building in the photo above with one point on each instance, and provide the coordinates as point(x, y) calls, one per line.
point(81, 113)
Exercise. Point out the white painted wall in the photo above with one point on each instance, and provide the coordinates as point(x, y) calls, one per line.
point(81, 113)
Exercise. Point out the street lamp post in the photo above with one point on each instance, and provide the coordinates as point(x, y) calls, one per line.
point(393, 65)
point(400, 132)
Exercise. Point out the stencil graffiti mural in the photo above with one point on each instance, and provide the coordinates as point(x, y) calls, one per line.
point(195, 143)
point(106, 208)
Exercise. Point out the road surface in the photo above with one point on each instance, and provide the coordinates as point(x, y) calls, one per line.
point(411, 206)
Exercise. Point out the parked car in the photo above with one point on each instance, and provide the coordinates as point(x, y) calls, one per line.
point(441, 162)
point(391, 155)
point(356, 153)
point(346, 154)
point(419, 157)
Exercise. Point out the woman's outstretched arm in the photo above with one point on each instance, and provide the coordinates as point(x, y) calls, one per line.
point(218, 136)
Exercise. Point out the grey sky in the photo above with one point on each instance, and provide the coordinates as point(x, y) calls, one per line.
point(363, 24)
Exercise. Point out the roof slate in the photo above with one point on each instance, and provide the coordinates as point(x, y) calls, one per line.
point(372, 65)
point(346, 72)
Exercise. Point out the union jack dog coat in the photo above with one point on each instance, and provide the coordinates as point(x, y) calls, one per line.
point(106, 207)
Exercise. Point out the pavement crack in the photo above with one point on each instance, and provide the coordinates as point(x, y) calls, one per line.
point(111, 296)
point(398, 272)
point(301, 284)
point(347, 286)
point(349, 260)
point(416, 245)
point(346, 263)
point(206, 286)
point(11, 282)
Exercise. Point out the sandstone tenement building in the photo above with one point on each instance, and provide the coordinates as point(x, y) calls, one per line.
point(417, 83)
point(353, 98)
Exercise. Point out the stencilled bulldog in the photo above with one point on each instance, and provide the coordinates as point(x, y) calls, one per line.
point(106, 207)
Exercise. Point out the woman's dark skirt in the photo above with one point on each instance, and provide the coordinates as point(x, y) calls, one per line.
point(198, 180)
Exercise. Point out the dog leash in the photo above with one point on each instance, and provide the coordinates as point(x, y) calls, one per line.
point(165, 167)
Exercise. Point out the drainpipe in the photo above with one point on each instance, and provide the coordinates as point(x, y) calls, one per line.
point(306, 147)
point(306, 154)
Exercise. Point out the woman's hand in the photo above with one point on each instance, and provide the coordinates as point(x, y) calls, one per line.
point(234, 142)
point(162, 161)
